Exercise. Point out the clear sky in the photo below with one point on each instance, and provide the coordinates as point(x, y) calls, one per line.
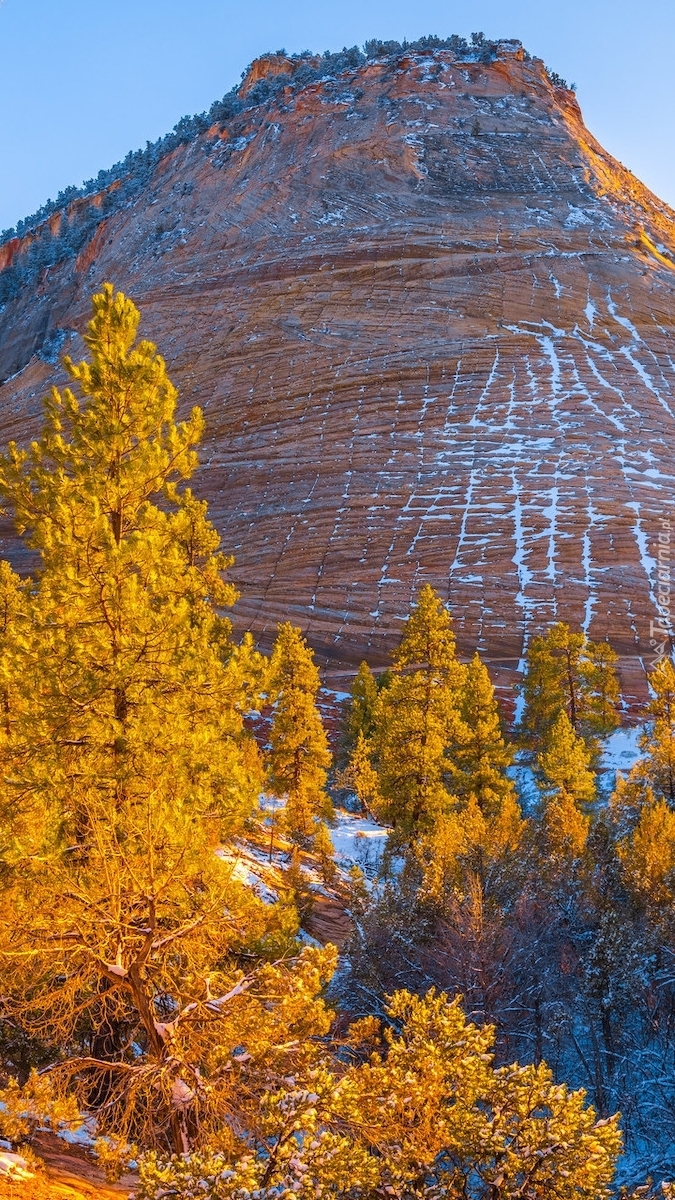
point(84, 81)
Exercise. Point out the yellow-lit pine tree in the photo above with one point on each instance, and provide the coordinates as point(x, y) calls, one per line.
point(565, 763)
point(631, 794)
point(325, 852)
point(479, 760)
point(486, 825)
point(361, 775)
point(648, 857)
point(568, 783)
point(566, 827)
point(566, 672)
point(416, 720)
point(416, 1110)
point(603, 691)
point(652, 778)
point(299, 758)
point(642, 805)
point(125, 620)
point(128, 760)
point(658, 742)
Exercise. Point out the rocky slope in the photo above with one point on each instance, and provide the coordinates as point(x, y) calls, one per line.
point(430, 322)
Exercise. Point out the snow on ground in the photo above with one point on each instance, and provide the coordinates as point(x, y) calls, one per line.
point(84, 1135)
point(359, 841)
point(243, 860)
point(621, 751)
point(306, 938)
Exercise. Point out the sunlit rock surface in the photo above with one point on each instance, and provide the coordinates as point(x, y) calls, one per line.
point(430, 322)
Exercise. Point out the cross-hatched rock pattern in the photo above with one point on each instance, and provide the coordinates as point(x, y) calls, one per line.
point(430, 322)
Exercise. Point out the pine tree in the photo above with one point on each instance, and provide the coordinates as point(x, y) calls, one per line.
point(361, 709)
point(568, 783)
point(428, 642)
point(652, 777)
point(127, 637)
point(298, 885)
point(128, 759)
point(486, 825)
point(418, 1108)
point(565, 763)
point(568, 673)
point(631, 794)
point(658, 741)
point(648, 856)
point(361, 775)
point(600, 715)
point(566, 827)
point(299, 757)
point(480, 758)
point(417, 718)
point(325, 852)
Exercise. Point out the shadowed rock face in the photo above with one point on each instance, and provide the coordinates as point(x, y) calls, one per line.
point(430, 323)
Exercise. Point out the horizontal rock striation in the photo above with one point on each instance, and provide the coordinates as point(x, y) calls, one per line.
point(430, 322)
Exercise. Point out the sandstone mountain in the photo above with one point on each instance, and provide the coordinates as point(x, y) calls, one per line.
point(430, 322)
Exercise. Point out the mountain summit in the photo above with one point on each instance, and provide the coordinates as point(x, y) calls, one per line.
point(429, 320)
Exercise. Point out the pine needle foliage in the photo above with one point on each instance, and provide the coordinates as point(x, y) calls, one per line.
point(360, 712)
point(425, 1113)
point(361, 776)
point(648, 857)
point(566, 672)
point(481, 756)
point(127, 637)
point(568, 784)
point(658, 741)
point(13, 592)
point(125, 759)
point(565, 763)
point(299, 757)
point(323, 847)
point(417, 719)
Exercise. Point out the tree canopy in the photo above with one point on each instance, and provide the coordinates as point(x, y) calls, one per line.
point(143, 979)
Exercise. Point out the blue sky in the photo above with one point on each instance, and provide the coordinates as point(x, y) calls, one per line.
point(82, 82)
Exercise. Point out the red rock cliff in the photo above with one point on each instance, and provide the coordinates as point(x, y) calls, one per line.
point(430, 322)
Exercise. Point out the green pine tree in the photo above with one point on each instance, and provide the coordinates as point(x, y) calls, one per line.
point(360, 712)
point(417, 719)
point(568, 673)
point(480, 757)
point(568, 784)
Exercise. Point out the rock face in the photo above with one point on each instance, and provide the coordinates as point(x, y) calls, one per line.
point(430, 322)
